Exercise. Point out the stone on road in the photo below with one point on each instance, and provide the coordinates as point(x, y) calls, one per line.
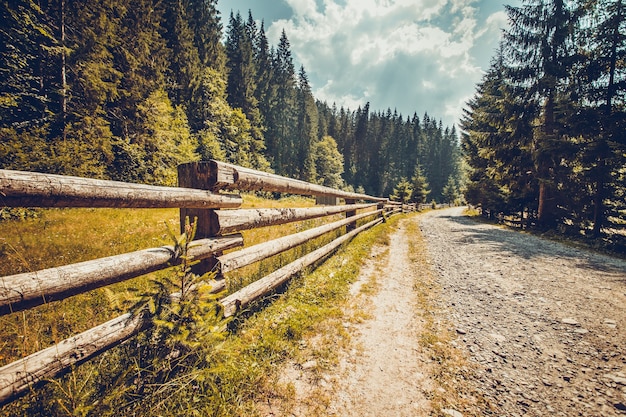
point(544, 323)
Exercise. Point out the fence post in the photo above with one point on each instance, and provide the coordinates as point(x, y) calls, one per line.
point(350, 227)
point(197, 175)
point(381, 206)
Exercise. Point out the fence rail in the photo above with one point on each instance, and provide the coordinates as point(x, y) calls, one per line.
point(200, 194)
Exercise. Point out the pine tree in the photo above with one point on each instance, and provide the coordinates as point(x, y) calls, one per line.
point(185, 68)
point(25, 41)
point(281, 121)
point(306, 129)
point(242, 73)
point(603, 74)
point(402, 191)
point(264, 92)
point(450, 191)
point(419, 184)
point(227, 133)
point(497, 147)
point(206, 26)
point(356, 151)
point(540, 56)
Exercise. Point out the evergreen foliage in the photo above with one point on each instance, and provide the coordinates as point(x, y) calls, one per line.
point(402, 191)
point(328, 163)
point(420, 186)
point(382, 149)
point(127, 89)
point(543, 134)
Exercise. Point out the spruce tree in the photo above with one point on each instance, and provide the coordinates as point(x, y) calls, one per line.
point(264, 92)
point(539, 52)
point(185, 68)
point(24, 89)
point(497, 147)
point(419, 184)
point(281, 121)
point(602, 90)
point(306, 129)
point(206, 26)
point(242, 76)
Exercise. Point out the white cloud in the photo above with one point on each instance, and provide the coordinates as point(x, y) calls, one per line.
point(413, 55)
point(497, 20)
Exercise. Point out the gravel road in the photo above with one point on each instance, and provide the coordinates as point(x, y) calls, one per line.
point(544, 323)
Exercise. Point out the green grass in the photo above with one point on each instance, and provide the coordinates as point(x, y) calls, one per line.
point(60, 237)
point(224, 377)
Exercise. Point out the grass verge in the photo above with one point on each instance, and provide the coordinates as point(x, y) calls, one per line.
point(231, 376)
point(450, 368)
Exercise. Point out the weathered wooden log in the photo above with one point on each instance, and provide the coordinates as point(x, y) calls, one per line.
point(230, 221)
point(351, 213)
point(189, 176)
point(257, 289)
point(18, 377)
point(247, 256)
point(232, 177)
point(23, 291)
point(32, 189)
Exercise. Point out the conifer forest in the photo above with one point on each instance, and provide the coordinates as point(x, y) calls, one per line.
point(128, 89)
point(544, 134)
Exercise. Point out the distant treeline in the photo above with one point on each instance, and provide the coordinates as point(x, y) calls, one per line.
point(128, 89)
point(546, 130)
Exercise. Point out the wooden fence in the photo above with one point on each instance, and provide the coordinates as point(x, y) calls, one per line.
point(205, 191)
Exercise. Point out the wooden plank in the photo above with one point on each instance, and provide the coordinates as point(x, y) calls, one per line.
point(257, 289)
point(23, 291)
point(32, 189)
point(230, 221)
point(246, 179)
point(247, 256)
point(18, 377)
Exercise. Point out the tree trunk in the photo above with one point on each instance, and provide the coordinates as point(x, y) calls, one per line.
point(598, 200)
point(545, 210)
point(598, 208)
point(63, 74)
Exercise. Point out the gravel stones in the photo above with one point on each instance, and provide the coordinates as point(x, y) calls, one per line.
point(547, 321)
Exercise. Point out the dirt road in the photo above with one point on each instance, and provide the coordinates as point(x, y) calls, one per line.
point(544, 323)
point(541, 325)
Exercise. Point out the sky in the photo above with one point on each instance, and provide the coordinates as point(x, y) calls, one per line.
point(406, 55)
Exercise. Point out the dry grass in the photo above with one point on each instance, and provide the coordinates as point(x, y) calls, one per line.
point(64, 236)
point(59, 237)
point(244, 365)
point(451, 370)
